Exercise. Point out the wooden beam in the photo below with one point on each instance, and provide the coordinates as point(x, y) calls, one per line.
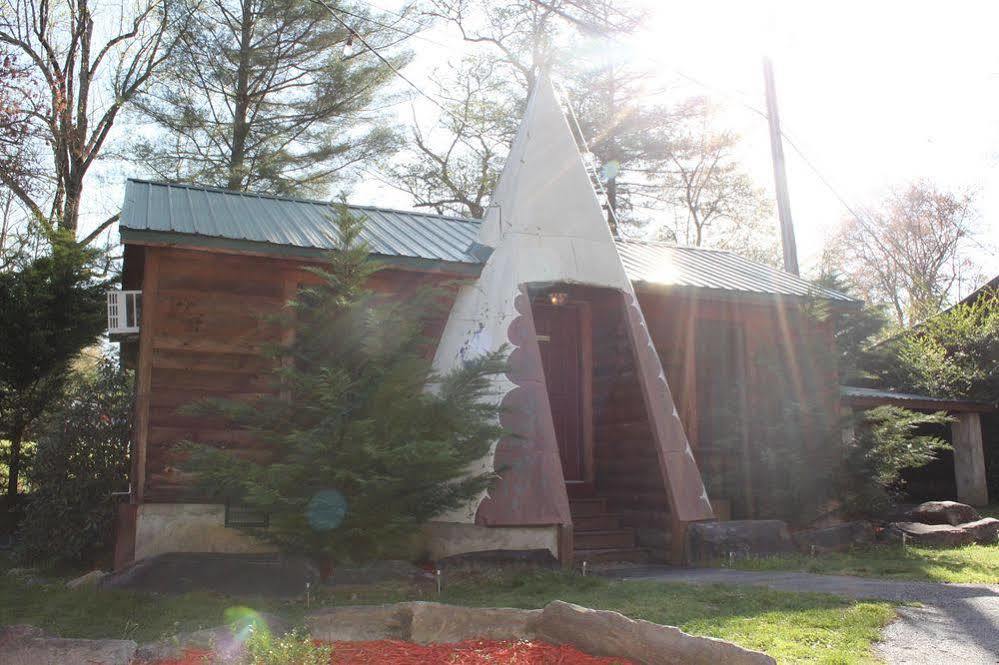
point(143, 373)
point(969, 460)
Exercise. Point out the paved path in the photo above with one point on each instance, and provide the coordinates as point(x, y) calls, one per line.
point(957, 623)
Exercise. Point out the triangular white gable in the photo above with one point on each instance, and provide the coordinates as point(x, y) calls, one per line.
point(545, 224)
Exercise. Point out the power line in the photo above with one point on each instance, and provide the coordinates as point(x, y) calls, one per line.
point(693, 79)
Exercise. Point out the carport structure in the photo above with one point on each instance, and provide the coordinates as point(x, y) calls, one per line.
point(966, 432)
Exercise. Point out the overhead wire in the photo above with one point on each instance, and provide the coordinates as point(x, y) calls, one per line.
point(692, 79)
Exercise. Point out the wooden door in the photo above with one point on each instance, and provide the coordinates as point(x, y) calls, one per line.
point(561, 339)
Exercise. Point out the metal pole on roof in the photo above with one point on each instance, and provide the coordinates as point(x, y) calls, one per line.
point(780, 176)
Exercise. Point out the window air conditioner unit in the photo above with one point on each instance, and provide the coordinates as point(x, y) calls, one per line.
point(124, 312)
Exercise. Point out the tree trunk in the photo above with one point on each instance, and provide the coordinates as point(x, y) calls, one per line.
point(240, 125)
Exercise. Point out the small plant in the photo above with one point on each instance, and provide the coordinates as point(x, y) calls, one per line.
point(294, 648)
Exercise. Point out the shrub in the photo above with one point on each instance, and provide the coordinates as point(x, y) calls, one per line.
point(82, 456)
point(294, 648)
point(887, 440)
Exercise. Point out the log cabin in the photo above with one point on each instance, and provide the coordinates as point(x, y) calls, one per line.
point(630, 360)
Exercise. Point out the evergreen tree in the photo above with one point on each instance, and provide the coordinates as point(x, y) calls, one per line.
point(368, 442)
point(81, 460)
point(271, 95)
point(53, 307)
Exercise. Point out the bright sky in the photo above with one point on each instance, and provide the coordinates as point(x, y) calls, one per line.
point(875, 93)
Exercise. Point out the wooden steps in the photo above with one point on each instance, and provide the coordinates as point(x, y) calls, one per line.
point(598, 535)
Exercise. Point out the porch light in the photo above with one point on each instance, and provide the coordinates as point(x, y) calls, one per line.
point(558, 298)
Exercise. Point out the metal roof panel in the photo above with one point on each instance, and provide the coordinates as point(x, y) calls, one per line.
point(216, 213)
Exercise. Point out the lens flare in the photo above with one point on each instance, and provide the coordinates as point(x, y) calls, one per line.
point(326, 510)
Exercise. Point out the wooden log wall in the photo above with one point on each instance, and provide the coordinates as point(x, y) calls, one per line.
point(205, 329)
point(778, 345)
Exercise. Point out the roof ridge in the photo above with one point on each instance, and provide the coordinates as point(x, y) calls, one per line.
point(666, 243)
point(294, 199)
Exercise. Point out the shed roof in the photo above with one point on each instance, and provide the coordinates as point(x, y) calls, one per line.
point(868, 397)
point(186, 214)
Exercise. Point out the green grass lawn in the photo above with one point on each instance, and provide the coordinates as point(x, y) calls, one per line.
point(794, 628)
point(973, 563)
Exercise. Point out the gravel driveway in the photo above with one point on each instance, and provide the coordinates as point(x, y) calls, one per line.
point(957, 623)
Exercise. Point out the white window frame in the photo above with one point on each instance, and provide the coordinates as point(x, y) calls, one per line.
point(123, 320)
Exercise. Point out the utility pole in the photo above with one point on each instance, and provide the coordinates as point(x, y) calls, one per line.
point(780, 176)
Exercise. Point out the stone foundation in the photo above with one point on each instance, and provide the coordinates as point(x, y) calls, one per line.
point(189, 527)
point(444, 539)
point(162, 528)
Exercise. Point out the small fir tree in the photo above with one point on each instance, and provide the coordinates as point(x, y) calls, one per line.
point(367, 442)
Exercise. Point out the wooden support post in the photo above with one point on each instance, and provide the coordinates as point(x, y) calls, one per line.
point(566, 550)
point(969, 460)
point(143, 373)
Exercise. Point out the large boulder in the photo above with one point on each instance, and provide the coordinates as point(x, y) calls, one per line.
point(838, 538)
point(938, 535)
point(594, 631)
point(361, 623)
point(707, 541)
point(984, 531)
point(275, 575)
point(604, 633)
point(943, 512)
point(437, 623)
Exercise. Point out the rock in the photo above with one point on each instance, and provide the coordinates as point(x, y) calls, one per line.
point(88, 579)
point(361, 622)
point(59, 651)
point(436, 623)
point(273, 575)
point(836, 538)
point(708, 541)
point(597, 632)
point(492, 559)
point(604, 633)
point(943, 512)
point(939, 535)
point(377, 572)
point(984, 531)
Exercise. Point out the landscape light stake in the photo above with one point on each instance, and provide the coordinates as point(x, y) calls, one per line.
point(308, 594)
point(585, 565)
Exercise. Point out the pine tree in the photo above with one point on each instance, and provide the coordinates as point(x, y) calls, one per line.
point(271, 96)
point(371, 443)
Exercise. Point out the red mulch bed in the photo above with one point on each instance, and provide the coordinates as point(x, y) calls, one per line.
point(470, 652)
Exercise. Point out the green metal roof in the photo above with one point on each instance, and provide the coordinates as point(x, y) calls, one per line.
point(215, 218)
point(216, 213)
